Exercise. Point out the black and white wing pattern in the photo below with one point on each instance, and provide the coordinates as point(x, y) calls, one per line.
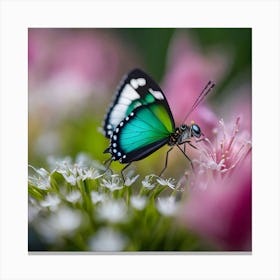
point(136, 89)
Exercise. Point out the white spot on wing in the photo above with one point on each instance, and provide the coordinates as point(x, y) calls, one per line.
point(156, 94)
point(134, 83)
point(124, 101)
point(130, 93)
point(138, 82)
point(141, 82)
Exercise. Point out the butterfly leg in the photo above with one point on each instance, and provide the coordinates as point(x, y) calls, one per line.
point(192, 145)
point(108, 162)
point(189, 142)
point(123, 171)
point(166, 161)
point(186, 155)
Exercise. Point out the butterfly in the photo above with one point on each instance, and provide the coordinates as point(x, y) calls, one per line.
point(139, 121)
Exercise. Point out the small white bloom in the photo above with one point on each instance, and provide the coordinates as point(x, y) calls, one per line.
point(57, 164)
point(60, 223)
point(130, 180)
point(97, 197)
point(71, 179)
point(167, 182)
point(42, 181)
point(114, 183)
point(51, 200)
point(90, 173)
point(167, 206)
point(138, 202)
point(112, 211)
point(66, 220)
point(68, 172)
point(147, 182)
point(107, 239)
point(73, 196)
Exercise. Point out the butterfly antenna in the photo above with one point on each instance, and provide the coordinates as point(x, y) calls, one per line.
point(209, 86)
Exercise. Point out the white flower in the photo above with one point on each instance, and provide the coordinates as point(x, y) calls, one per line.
point(167, 182)
point(65, 168)
point(114, 183)
point(107, 239)
point(77, 171)
point(60, 223)
point(97, 197)
point(69, 173)
point(112, 211)
point(90, 173)
point(147, 182)
point(130, 180)
point(73, 196)
point(167, 206)
point(138, 202)
point(71, 179)
point(59, 163)
point(51, 200)
point(42, 181)
point(66, 220)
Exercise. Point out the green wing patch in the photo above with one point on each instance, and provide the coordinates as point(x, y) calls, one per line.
point(150, 124)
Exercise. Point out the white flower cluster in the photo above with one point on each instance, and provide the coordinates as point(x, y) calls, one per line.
point(77, 195)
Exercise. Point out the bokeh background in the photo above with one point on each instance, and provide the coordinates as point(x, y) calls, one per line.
point(73, 74)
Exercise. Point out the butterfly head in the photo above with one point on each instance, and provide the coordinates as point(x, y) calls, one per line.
point(184, 132)
point(195, 130)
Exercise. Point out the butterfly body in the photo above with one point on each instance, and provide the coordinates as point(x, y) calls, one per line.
point(139, 121)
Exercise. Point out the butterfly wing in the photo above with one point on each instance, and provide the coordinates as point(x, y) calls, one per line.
point(135, 90)
point(142, 132)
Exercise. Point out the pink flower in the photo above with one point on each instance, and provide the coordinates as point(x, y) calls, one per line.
point(219, 157)
point(219, 202)
point(187, 73)
point(70, 69)
point(74, 63)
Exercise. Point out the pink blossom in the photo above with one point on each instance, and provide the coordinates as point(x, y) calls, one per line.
point(219, 201)
point(188, 72)
point(75, 60)
point(219, 157)
point(70, 69)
